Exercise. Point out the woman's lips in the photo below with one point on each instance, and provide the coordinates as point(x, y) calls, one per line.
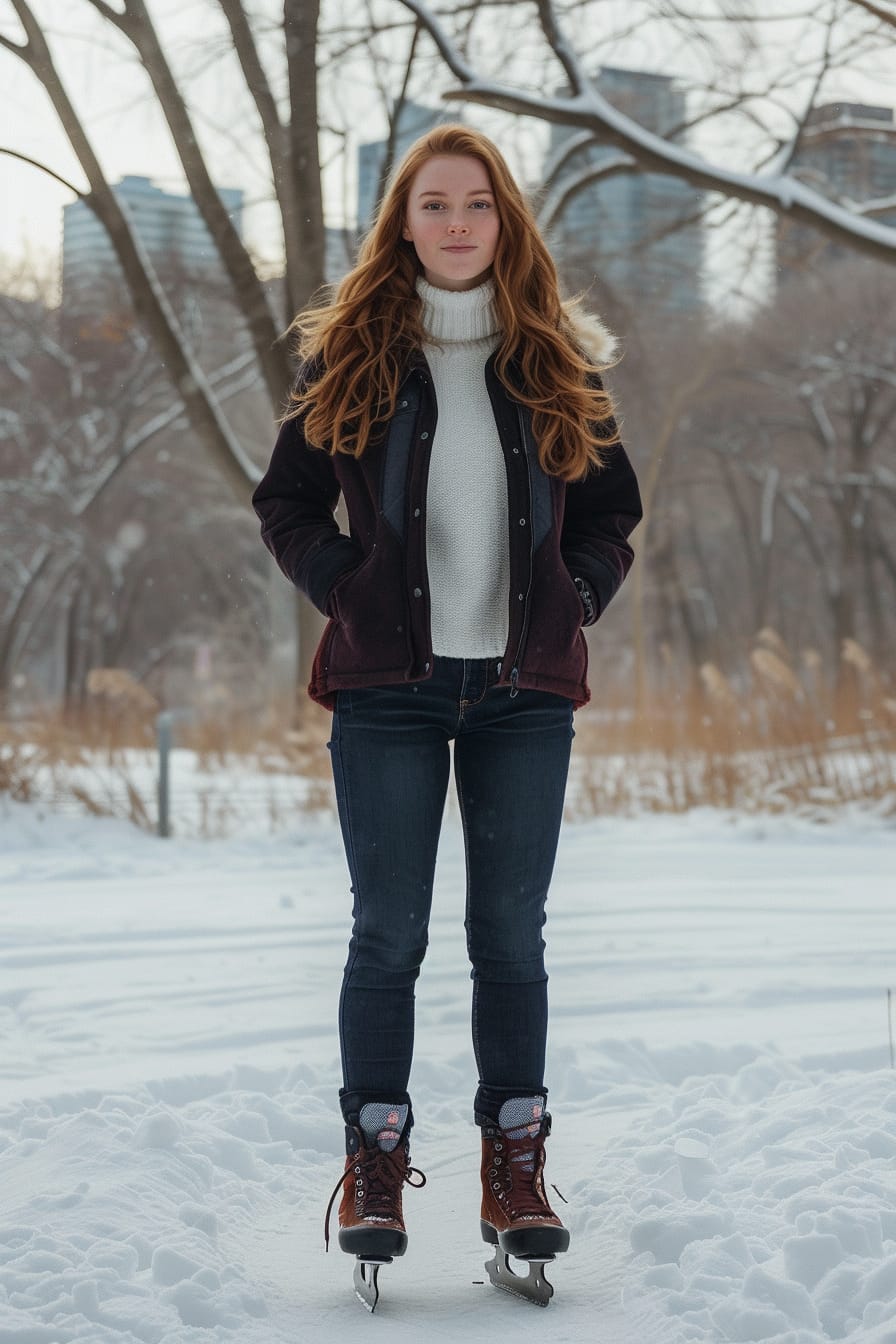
point(459, 247)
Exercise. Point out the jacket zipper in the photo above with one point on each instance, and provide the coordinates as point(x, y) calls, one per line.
point(515, 670)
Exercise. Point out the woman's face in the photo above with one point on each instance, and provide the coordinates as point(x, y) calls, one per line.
point(452, 221)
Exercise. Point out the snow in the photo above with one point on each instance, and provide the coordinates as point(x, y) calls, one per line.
point(724, 1107)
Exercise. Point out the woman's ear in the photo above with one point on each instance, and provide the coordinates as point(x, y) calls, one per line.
point(406, 233)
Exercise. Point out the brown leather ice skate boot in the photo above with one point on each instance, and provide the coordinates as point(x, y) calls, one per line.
point(516, 1217)
point(377, 1165)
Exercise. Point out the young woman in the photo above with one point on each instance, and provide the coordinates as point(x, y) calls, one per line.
point(455, 401)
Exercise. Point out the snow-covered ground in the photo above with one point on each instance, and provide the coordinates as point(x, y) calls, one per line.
point(724, 1106)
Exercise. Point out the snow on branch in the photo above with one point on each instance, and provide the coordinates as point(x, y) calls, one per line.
point(587, 110)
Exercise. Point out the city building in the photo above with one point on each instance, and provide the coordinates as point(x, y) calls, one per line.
point(339, 255)
point(640, 234)
point(846, 151)
point(413, 121)
point(170, 227)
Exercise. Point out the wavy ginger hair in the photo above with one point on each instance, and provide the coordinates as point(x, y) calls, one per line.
point(357, 346)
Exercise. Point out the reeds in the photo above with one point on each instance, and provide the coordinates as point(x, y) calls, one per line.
point(778, 737)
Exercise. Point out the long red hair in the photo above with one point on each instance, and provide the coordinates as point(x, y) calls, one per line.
point(359, 343)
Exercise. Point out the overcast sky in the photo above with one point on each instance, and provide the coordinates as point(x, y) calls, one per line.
point(109, 88)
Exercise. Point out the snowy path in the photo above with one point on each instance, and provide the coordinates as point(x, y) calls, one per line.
point(724, 1111)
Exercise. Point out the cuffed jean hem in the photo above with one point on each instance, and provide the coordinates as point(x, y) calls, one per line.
point(489, 1100)
point(350, 1103)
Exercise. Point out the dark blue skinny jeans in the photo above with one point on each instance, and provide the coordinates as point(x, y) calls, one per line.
point(390, 752)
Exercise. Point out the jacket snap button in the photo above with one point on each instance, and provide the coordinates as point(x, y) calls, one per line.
point(403, 404)
point(425, 434)
point(522, 522)
point(520, 596)
point(418, 592)
point(426, 667)
point(517, 451)
point(416, 513)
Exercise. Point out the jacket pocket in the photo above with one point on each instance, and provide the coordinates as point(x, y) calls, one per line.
point(569, 588)
point(339, 601)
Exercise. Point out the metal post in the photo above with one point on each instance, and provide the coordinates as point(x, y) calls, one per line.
point(164, 722)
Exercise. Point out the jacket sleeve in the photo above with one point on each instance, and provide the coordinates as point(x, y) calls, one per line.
point(600, 514)
point(295, 501)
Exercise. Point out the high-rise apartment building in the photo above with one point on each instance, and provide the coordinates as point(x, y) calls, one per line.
point(339, 254)
point(170, 228)
point(640, 233)
point(846, 151)
point(413, 120)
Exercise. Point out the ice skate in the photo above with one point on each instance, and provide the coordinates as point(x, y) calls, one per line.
point(371, 1223)
point(516, 1218)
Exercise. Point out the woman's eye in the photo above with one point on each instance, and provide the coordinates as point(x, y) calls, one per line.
point(475, 205)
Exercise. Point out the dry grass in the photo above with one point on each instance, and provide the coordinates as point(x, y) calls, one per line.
point(64, 756)
point(779, 741)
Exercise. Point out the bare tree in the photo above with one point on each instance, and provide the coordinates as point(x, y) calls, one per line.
point(295, 169)
point(490, 49)
point(797, 430)
point(81, 497)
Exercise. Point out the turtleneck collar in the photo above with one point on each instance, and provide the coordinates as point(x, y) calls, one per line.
point(451, 315)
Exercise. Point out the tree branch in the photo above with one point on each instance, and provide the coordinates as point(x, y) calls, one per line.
point(578, 80)
point(300, 23)
point(116, 16)
point(135, 22)
point(782, 194)
point(149, 298)
point(446, 48)
point(276, 138)
point(17, 48)
point(14, 154)
point(884, 15)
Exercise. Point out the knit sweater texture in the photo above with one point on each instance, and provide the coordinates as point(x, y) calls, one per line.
point(467, 543)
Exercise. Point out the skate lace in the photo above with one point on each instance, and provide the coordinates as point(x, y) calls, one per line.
point(523, 1190)
point(383, 1174)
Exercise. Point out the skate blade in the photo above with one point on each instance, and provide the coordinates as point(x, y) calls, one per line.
point(531, 1287)
point(365, 1279)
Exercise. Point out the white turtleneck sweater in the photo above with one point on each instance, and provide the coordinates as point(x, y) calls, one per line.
point(467, 544)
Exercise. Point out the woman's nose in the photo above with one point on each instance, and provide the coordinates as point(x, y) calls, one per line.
point(457, 226)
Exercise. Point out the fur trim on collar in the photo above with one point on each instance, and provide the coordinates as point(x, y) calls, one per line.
point(593, 337)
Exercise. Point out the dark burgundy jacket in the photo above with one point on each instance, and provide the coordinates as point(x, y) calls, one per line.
point(373, 584)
